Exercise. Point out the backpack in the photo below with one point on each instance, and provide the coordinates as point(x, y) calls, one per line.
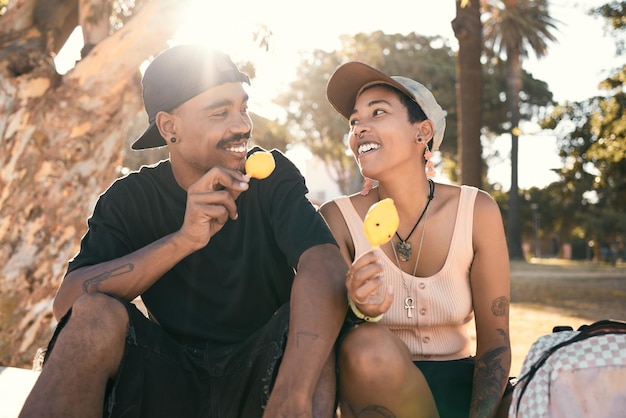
point(574, 374)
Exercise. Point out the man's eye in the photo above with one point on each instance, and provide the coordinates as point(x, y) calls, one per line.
point(354, 122)
point(379, 112)
point(221, 114)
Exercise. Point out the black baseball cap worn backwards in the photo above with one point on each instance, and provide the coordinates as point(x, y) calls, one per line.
point(177, 75)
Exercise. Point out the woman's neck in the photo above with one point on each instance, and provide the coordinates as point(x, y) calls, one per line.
point(408, 195)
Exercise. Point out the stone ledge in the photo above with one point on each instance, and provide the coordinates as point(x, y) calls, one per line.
point(15, 385)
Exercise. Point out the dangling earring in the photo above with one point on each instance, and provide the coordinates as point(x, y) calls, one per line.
point(367, 186)
point(430, 166)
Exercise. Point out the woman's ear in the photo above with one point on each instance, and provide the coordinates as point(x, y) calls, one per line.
point(165, 124)
point(425, 130)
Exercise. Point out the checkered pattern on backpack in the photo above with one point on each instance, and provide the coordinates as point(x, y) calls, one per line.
point(599, 351)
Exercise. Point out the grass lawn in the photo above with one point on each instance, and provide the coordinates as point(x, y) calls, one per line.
point(550, 292)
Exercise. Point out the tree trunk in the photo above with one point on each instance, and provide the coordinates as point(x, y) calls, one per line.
point(467, 29)
point(513, 89)
point(62, 139)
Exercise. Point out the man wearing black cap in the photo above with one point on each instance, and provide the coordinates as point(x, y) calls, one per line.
point(213, 255)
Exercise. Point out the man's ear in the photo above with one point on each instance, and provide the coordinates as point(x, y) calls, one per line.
point(166, 125)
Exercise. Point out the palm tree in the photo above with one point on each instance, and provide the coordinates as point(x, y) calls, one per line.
point(512, 29)
point(467, 29)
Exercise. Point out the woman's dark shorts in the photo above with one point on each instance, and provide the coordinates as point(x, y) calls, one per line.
point(450, 382)
point(159, 377)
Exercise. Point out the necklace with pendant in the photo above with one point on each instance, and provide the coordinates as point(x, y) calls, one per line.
point(403, 247)
point(409, 301)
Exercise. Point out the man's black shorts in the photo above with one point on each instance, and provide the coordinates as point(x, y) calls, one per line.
point(160, 377)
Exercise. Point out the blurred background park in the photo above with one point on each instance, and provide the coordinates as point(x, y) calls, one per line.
point(533, 91)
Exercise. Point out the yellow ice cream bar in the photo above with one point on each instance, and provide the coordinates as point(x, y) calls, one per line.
point(381, 222)
point(260, 165)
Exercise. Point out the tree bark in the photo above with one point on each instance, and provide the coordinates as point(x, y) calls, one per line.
point(468, 30)
point(62, 139)
point(513, 89)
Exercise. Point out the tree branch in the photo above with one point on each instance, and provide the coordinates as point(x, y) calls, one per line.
point(122, 53)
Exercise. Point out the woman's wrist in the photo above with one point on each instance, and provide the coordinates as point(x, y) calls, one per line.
point(361, 315)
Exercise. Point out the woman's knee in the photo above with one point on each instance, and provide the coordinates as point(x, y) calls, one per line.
point(371, 352)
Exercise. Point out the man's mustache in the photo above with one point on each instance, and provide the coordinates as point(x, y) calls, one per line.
point(234, 139)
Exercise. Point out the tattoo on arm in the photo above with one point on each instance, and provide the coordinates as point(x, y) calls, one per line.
point(309, 337)
point(505, 336)
point(500, 306)
point(93, 284)
point(375, 411)
point(489, 375)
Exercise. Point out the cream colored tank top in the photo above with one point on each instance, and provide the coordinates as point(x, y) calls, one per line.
point(443, 301)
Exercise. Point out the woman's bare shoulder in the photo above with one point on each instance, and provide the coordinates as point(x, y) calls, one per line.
point(338, 226)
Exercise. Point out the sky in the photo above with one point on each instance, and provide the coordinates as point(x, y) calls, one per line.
point(574, 66)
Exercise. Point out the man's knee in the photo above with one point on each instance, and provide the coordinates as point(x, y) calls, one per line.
point(102, 312)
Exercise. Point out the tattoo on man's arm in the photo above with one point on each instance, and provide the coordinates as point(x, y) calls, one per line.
point(375, 411)
point(309, 337)
point(93, 284)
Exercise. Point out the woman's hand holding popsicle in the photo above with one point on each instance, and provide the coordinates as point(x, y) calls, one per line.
point(365, 281)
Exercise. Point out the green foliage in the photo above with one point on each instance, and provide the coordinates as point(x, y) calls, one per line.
point(269, 134)
point(511, 30)
point(536, 98)
point(591, 137)
point(526, 27)
point(614, 14)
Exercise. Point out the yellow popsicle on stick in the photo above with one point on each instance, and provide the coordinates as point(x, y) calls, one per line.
point(260, 165)
point(381, 222)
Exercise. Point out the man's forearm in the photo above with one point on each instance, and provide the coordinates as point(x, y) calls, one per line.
point(126, 277)
point(318, 307)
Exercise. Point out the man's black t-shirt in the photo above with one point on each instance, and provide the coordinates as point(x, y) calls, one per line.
point(230, 288)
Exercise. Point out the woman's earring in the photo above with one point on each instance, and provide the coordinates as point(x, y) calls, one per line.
point(367, 186)
point(430, 166)
point(173, 140)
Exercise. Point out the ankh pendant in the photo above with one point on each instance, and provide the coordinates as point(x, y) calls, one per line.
point(409, 305)
point(404, 250)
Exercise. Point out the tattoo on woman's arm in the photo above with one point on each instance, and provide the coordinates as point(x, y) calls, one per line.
point(490, 374)
point(500, 306)
point(93, 284)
